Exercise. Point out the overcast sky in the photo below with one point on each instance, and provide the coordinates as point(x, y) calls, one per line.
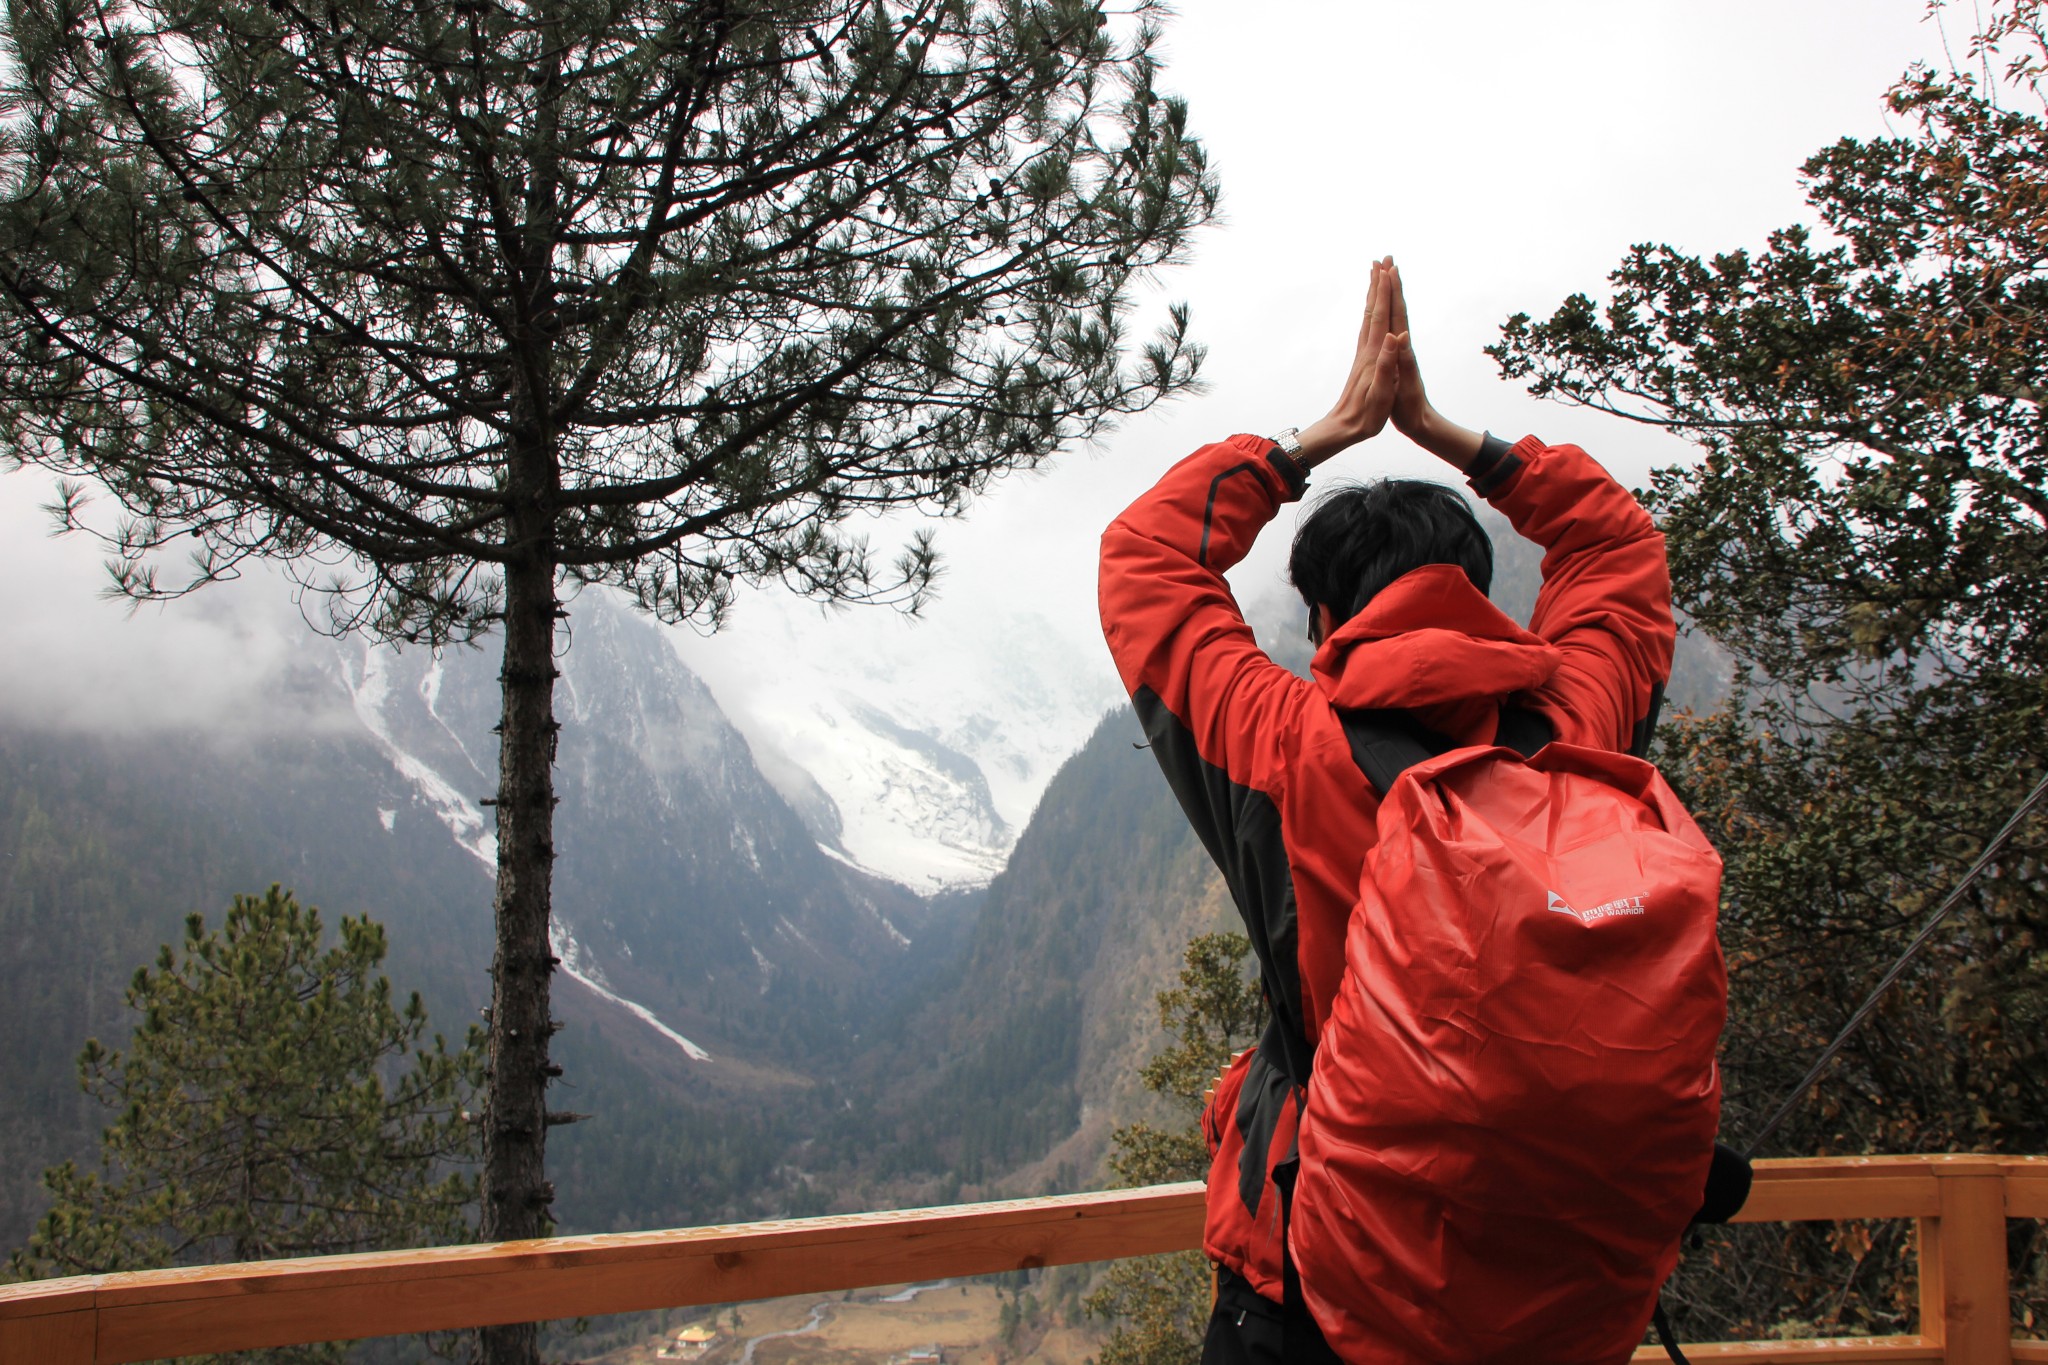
point(1505, 153)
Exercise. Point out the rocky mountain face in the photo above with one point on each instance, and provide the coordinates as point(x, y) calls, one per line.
point(1010, 1076)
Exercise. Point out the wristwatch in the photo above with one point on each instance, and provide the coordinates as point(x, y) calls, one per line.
point(1289, 441)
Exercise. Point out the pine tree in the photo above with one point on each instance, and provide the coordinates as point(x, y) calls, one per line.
point(446, 303)
point(1160, 1304)
point(273, 1101)
point(1866, 531)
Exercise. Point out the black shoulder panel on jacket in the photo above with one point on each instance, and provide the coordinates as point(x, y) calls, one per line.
point(1241, 829)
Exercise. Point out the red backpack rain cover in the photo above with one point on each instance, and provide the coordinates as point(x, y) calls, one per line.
point(1515, 1098)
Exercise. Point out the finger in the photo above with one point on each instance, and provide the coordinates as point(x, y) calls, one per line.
point(1409, 372)
point(1372, 298)
point(1376, 311)
point(1397, 310)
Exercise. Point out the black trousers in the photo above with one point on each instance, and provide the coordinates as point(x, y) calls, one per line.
point(1247, 1328)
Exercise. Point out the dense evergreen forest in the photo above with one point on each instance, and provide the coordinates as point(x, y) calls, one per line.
point(106, 844)
point(101, 859)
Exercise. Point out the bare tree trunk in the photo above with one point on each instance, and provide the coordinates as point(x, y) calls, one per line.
point(516, 1192)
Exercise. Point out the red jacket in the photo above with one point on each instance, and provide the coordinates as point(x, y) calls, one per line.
point(1260, 761)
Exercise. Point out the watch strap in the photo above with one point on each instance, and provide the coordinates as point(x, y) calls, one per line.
point(1289, 441)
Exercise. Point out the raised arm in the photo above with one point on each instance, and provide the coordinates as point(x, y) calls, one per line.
point(1223, 719)
point(1181, 646)
point(1606, 596)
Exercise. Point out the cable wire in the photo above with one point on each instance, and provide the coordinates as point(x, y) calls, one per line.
point(1885, 983)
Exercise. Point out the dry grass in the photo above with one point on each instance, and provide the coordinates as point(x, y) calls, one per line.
point(965, 1320)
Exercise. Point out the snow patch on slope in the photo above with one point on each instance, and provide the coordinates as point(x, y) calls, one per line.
point(578, 966)
point(369, 687)
point(909, 808)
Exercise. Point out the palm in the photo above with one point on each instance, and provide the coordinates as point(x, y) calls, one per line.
point(1411, 402)
point(1368, 398)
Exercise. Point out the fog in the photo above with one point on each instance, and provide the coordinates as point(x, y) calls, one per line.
point(75, 658)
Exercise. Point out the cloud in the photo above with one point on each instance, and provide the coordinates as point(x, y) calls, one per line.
point(232, 656)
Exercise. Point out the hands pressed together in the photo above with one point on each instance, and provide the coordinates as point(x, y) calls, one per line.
point(1384, 384)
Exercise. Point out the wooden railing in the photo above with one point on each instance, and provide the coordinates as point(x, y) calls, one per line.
point(1959, 1205)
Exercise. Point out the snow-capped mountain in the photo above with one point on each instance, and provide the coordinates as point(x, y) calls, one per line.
point(918, 749)
point(687, 891)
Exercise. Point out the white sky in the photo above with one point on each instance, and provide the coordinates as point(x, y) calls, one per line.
point(1506, 153)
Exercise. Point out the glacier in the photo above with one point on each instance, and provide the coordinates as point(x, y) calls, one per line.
point(932, 740)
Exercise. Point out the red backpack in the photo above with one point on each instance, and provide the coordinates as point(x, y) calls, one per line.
point(1515, 1098)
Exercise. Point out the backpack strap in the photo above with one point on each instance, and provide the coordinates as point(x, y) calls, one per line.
point(1646, 728)
point(1523, 730)
point(1665, 1336)
point(1728, 1182)
point(1386, 744)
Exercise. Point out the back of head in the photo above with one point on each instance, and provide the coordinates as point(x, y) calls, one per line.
point(1358, 538)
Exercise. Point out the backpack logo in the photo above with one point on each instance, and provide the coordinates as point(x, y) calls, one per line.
point(1620, 905)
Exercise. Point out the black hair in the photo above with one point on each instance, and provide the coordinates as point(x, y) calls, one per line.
point(1358, 538)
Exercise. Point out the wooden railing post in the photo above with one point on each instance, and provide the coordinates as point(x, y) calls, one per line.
point(1963, 1293)
point(1933, 1282)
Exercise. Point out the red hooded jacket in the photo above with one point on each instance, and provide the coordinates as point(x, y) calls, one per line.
point(1260, 761)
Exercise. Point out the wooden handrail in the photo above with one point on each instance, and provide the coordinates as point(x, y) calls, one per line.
point(1960, 1204)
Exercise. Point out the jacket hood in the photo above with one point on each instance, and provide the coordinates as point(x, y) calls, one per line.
point(1430, 637)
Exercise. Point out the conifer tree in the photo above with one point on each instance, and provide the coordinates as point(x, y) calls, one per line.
point(1160, 1304)
point(273, 1101)
point(447, 303)
point(1866, 531)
